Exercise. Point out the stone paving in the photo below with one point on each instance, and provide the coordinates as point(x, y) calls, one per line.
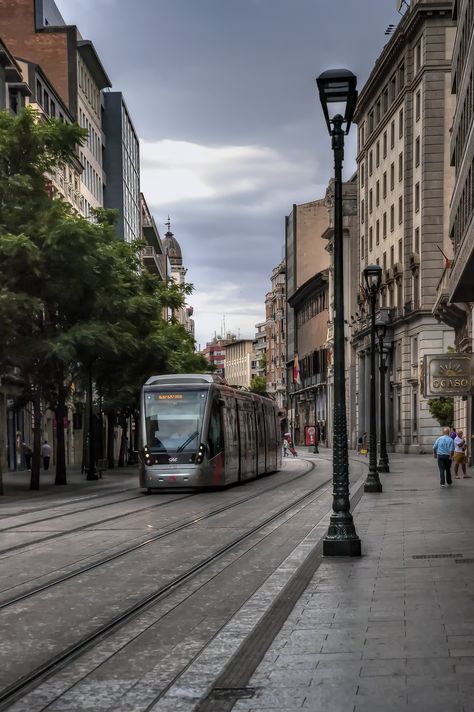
point(393, 630)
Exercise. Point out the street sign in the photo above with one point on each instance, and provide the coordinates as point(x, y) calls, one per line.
point(448, 375)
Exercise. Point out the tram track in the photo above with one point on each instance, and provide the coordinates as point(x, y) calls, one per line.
point(38, 510)
point(32, 679)
point(135, 547)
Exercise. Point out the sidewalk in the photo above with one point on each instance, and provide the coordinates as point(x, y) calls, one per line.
point(393, 630)
point(16, 484)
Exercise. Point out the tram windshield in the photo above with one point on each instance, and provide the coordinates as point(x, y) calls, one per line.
point(173, 420)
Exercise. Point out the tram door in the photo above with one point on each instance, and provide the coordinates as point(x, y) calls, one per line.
point(261, 453)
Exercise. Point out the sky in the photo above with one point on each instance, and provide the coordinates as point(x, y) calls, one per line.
point(223, 96)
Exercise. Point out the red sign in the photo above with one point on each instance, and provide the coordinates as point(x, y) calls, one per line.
point(309, 435)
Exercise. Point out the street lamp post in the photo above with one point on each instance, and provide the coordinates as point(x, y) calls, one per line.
point(384, 465)
point(338, 86)
point(373, 277)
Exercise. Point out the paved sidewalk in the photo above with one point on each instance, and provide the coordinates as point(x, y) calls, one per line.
point(16, 485)
point(393, 630)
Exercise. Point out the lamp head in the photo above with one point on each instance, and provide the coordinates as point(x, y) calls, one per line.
point(381, 329)
point(338, 86)
point(373, 278)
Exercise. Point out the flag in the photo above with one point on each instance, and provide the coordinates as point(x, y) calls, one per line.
point(296, 370)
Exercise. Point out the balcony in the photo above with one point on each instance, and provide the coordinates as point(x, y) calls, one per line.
point(152, 261)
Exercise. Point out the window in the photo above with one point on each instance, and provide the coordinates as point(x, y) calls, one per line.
point(362, 211)
point(377, 193)
point(362, 175)
point(384, 263)
point(415, 411)
point(52, 110)
point(392, 256)
point(418, 56)
point(417, 197)
point(400, 124)
point(418, 105)
point(215, 432)
point(416, 241)
point(371, 122)
point(39, 92)
point(392, 217)
point(400, 251)
point(401, 76)
point(384, 226)
point(377, 232)
point(392, 87)
point(362, 247)
point(392, 134)
point(371, 233)
point(377, 154)
point(384, 144)
point(392, 176)
point(400, 210)
point(400, 167)
point(370, 162)
point(384, 184)
point(417, 151)
point(385, 100)
point(46, 102)
point(370, 201)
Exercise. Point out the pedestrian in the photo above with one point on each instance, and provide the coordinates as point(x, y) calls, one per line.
point(46, 454)
point(443, 449)
point(286, 447)
point(453, 433)
point(27, 454)
point(362, 442)
point(459, 456)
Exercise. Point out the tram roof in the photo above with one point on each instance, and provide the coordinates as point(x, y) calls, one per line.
point(177, 378)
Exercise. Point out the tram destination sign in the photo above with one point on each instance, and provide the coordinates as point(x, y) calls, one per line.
point(448, 375)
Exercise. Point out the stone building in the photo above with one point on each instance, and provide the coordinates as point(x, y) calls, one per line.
point(178, 274)
point(275, 335)
point(456, 287)
point(259, 362)
point(238, 362)
point(307, 263)
point(404, 116)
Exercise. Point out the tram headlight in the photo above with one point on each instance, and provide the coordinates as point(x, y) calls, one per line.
point(200, 453)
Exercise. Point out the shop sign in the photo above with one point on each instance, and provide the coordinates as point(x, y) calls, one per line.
point(309, 435)
point(448, 375)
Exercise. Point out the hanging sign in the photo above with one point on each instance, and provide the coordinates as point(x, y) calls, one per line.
point(448, 375)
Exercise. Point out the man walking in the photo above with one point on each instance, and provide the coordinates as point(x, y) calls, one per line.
point(46, 454)
point(443, 449)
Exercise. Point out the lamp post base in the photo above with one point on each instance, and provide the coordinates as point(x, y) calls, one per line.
point(372, 483)
point(333, 546)
point(383, 466)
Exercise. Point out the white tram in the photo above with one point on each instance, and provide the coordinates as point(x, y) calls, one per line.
point(198, 432)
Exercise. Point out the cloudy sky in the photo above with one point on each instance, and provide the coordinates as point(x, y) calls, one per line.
point(223, 97)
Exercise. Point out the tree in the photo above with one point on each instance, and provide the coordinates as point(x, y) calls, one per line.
point(258, 384)
point(442, 410)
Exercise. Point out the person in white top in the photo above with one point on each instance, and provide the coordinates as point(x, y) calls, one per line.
point(459, 456)
point(46, 454)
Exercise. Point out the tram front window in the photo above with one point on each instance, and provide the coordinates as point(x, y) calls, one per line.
point(173, 420)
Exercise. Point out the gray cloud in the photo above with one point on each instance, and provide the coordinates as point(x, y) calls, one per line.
point(220, 75)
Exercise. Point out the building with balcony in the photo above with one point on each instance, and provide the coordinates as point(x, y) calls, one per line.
point(122, 166)
point(404, 115)
point(456, 287)
point(13, 89)
point(153, 255)
point(238, 362)
point(35, 31)
point(259, 363)
point(307, 263)
point(214, 352)
point(275, 331)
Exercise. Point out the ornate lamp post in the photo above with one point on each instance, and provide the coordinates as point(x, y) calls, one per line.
point(384, 465)
point(372, 277)
point(338, 86)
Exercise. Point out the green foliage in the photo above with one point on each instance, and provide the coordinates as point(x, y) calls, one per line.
point(263, 363)
point(258, 384)
point(442, 410)
point(73, 297)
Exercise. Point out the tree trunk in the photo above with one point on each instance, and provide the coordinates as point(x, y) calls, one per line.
point(123, 441)
point(36, 459)
point(110, 439)
point(60, 412)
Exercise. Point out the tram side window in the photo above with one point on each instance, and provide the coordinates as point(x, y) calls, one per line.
point(215, 432)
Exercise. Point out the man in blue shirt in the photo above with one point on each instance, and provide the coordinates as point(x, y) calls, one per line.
point(443, 451)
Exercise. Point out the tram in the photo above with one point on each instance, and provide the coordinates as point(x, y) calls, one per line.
point(198, 432)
